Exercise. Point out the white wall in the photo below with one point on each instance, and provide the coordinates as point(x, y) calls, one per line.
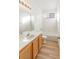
point(39, 7)
point(36, 13)
point(58, 17)
point(49, 25)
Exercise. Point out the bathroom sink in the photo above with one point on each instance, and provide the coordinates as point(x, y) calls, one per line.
point(26, 38)
point(30, 36)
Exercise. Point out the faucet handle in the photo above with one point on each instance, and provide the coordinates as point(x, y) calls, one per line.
point(28, 34)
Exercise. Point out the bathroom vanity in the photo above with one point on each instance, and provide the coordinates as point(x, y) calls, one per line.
point(29, 48)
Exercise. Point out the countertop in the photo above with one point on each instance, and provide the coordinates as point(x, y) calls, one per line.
point(24, 42)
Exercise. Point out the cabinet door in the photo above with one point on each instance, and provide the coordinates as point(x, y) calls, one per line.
point(40, 41)
point(26, 53)
point(29, 52)
point(35, 48)
point(23, 54)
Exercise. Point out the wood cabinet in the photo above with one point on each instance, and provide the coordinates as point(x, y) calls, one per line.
point(26, 52)
point(31, 50)
point(35, 48)
point(41, 40)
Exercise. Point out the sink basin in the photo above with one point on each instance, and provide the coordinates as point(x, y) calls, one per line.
point(25, 40)
point(30, 36)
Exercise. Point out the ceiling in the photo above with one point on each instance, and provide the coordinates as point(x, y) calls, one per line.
point(44, 4)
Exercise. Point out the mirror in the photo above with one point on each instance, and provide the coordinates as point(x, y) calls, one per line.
point(25, 22)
